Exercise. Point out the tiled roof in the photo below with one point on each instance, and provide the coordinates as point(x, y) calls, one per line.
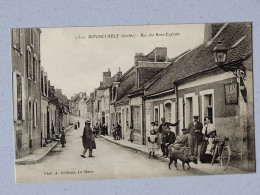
point(62, 97)
point(201, 59)
point(126, 84)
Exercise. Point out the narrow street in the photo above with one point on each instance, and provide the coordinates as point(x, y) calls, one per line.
point(110, 162)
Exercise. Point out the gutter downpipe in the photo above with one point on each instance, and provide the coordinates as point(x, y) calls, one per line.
point(177, 108)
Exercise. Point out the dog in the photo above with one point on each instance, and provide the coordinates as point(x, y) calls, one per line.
point(183, 155)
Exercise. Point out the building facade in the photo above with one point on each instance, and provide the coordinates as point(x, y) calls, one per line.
point(25, 51)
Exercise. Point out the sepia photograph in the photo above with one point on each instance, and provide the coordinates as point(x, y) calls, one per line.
point(117, 102)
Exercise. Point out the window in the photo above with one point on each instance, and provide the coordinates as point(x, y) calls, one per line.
point(19, 97)
point(35, 114)
point(31, 37)
point(168, 107)
point(207, 104)
point(136, 119)
point(45, 86)
point(29, 63)
point(42, 84)
point(34, 69)
point(16, 33)
point(156, 114)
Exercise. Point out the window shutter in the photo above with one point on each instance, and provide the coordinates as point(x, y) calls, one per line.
point(15, 96)
point(181, 113)
point(34, 114)
point(161, 111)
point(195, 100)
point(32, 69)
point(23, 99)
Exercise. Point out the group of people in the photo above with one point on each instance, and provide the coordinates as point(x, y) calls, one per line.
point(160, 137)
point(199, 138)
point(100, 129)
point(117, 133)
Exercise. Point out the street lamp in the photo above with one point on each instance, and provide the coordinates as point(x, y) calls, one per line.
point(220, 53)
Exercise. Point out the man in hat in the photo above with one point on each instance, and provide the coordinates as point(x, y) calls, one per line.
point(88, 140)
point(195, 136)
point(168, 140)
point(162, 130)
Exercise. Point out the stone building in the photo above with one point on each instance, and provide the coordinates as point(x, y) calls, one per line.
point(25, 52)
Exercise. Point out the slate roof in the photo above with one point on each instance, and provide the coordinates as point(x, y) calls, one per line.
point(127, 83)
point(62, 97)
point(201, 59)
point(107, 84)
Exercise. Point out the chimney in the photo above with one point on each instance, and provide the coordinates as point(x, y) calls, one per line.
point(106, 75)
point(160, 54)
point(207, 33)
point(210, 30)
point(80, 95)
point(118, 75)
point(139, 57)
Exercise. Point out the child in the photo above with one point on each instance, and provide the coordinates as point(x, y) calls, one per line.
point(152, 143)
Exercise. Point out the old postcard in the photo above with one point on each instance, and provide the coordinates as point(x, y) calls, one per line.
point(116, 102)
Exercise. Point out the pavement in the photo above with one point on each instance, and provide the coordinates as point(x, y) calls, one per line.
point(200, 169)
point(39, 154)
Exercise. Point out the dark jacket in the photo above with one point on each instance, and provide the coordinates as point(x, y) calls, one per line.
point(170, 138)
point(167, 124)
point(192, 128)
point(88, 139)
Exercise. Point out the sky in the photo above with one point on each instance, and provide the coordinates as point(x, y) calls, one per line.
point(76, 57)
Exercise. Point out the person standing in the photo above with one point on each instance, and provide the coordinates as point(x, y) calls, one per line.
point(158, 134)
point(162, 130)
point(63, 138)
point(195, 137)
point(78, 124)
point(88, 140)
point(118, 131)
point(131, 138)
point(152, 143)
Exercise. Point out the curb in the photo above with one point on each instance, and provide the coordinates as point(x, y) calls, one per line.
point(29, 162)
point(192, 169)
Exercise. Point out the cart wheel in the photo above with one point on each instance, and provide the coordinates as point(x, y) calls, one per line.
point(225, 157)
point(214, 154)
